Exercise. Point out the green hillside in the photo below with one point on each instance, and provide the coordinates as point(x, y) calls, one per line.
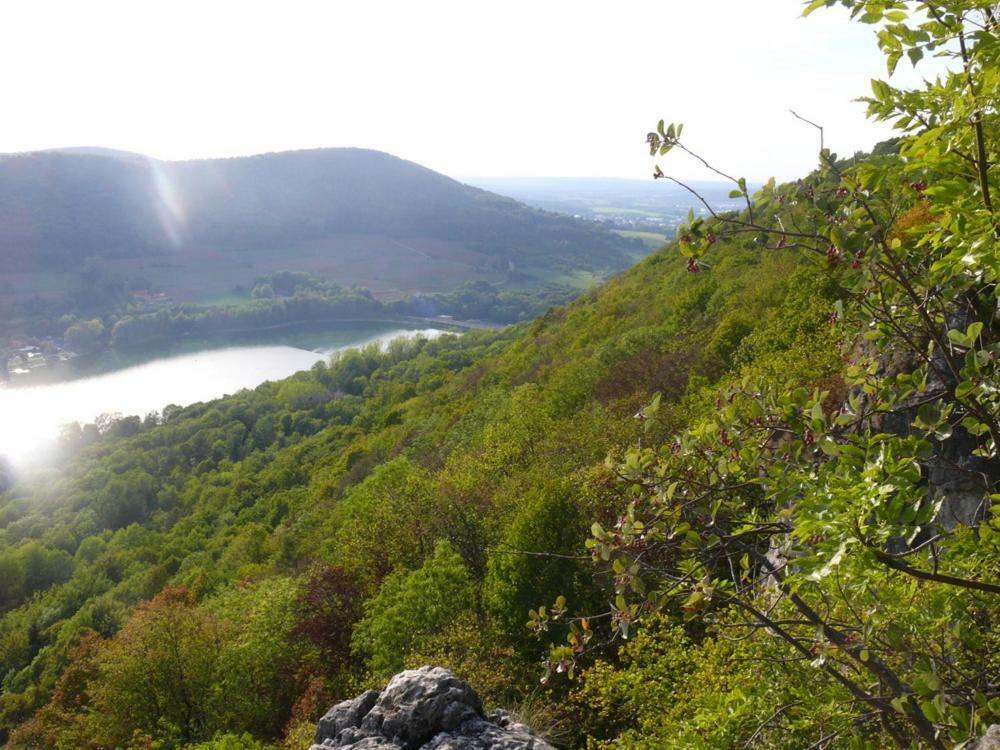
point(488, 440)
point(742, 495)
point(59, 208)
point(94, 234)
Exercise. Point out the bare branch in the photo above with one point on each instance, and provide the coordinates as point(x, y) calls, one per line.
point(810, 122)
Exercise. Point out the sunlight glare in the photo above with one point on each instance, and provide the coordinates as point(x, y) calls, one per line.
point(169, 209)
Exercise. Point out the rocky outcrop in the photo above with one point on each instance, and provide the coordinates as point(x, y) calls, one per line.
point(422, 709)
point(989, 741)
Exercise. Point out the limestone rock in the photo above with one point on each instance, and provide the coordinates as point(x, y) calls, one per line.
point(422, 709)
point(989, 741)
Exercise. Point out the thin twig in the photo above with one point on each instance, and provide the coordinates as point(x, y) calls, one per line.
point(810, 122)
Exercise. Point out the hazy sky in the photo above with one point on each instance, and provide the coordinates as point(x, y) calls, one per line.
point(543, 87)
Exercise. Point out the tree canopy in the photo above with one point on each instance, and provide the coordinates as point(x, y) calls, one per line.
point(743, 495)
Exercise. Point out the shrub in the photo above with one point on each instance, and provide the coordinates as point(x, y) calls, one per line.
point(411, 606)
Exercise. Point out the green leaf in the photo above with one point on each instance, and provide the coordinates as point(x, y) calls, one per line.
point(814, 5)
point(928, 416)
point(958, 338)
point(829, 447)
point(892, 60)
point(881, 90)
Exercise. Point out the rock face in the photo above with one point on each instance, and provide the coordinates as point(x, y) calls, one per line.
point(422, 709)
point(989, 741)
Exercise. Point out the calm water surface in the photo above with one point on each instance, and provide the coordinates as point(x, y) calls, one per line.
point(31, 416)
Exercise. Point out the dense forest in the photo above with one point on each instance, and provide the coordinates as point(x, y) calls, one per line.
point(742, 495)
point(287, 299)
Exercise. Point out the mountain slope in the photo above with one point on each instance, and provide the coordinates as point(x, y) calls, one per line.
point(281, 510)
point(233, 568)
point(223, 572)
point(58, 208)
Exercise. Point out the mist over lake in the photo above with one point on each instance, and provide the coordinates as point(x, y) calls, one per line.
point(31, 417)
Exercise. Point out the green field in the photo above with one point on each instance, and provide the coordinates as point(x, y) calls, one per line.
point(652, 240)
point(225, 299)
point(619, 210)
point(581, 279)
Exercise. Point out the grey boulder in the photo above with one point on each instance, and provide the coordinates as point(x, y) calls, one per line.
point(989, 741)
point(422, 709)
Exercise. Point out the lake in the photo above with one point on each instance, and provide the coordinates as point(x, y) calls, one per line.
point(31, 416)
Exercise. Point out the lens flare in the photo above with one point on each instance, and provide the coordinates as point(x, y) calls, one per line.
point(169, 208)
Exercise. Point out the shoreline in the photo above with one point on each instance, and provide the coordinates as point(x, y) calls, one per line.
point(118, 359)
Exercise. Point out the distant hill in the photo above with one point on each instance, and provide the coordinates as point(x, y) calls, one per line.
point(94, 151)
point(355, 215)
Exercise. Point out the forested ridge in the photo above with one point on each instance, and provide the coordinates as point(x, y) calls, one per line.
point(405, 479)
point(286, 299)
point(60, 208)
point(93, 238)
point(742, 495)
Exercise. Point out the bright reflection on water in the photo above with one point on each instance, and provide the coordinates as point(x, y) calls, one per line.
point(31, 416)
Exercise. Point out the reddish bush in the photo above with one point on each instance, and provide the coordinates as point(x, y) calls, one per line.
point(328, 607)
